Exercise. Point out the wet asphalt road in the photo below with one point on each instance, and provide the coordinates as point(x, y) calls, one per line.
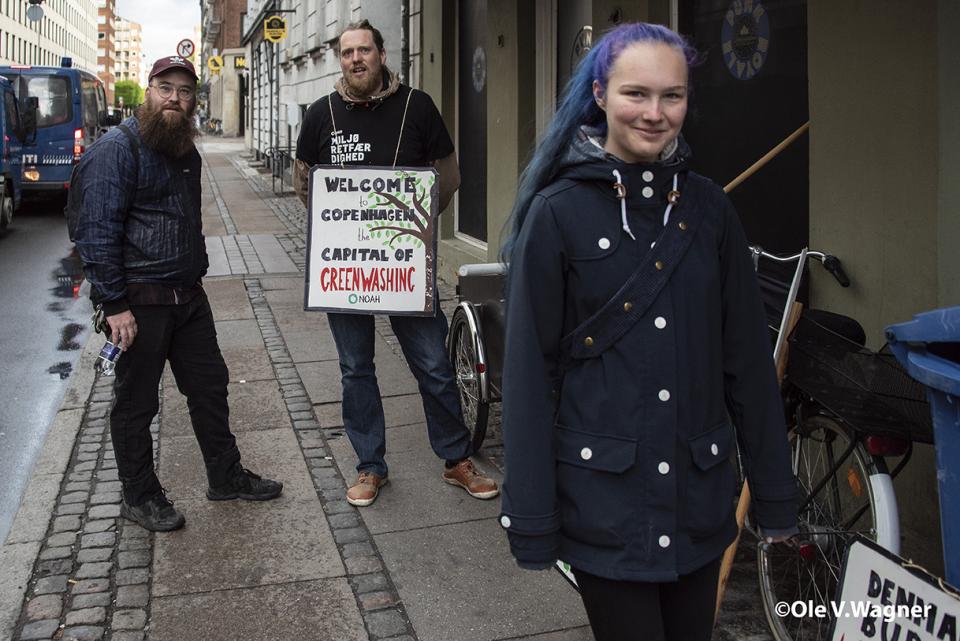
point(44, 324)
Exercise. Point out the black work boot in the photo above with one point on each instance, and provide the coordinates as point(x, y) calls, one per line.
point(156, 514)
point(241, 483)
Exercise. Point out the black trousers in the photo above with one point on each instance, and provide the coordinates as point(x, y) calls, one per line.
point(186, 336)
point(631, 611)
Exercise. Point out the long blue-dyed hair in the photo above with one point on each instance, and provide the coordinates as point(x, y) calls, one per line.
point(578, 107)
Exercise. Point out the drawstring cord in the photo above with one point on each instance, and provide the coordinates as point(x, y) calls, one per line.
point(672, 198)
point(622, 195)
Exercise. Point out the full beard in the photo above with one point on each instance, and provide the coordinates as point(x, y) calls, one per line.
point(366, 87)
point(167, 131)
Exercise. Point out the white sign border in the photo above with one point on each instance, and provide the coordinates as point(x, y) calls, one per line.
point(435, 221)
point(914, 570)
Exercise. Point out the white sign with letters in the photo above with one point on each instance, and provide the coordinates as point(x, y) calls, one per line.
point(371, 240)
point(880, 598)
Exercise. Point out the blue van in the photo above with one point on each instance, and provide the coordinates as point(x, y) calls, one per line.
point(16, 130)
point(71, 112)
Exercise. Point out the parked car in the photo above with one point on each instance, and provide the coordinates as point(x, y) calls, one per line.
point(71, 113)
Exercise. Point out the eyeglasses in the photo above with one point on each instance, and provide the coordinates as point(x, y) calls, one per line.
point(166, 90)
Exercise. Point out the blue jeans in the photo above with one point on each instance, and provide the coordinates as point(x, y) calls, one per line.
point(422, 340)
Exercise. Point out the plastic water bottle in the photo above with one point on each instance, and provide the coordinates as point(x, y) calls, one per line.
point(107, 360)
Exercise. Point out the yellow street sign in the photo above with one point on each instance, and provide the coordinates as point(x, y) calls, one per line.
point(215, 64)
point(274, 28)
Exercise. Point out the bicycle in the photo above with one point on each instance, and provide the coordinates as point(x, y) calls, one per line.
point(848, 409)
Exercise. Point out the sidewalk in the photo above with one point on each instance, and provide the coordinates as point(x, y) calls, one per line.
point(425, 562)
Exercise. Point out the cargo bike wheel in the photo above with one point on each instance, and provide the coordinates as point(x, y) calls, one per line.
point(466, 350)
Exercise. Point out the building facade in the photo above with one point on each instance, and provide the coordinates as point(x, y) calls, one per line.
point(128, 47)
point(223, 87)
point(106, 46)
point(68, 28)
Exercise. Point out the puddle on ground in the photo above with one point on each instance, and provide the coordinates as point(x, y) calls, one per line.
point(56, 307)
point(68, 334)
point(63, 370)
point(69, 276)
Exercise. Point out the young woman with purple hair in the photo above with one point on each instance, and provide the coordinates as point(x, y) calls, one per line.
point(636, 353)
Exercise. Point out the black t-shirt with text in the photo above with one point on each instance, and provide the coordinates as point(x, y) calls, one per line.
point(367, 133)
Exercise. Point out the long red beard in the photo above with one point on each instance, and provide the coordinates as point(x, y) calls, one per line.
point(169, 132)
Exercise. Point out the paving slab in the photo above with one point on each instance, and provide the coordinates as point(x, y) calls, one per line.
point(320, 610)
point(416, 496)
point(271, 283)
point(397, 411)
point(272, 255)
point(309, 345)
point(228, 300)
point(58, 446)
point(462, 561)
point(33, 517)
point(271, 453)
point(243, 350)
point(322, 379)
point(217, 256)
point(258, 223)
point(17, 561)
point(232, 544)
point(255, 405)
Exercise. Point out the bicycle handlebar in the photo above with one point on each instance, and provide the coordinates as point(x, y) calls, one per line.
point(830, 262)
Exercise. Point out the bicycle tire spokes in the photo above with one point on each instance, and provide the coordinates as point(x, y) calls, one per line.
point(832, 468)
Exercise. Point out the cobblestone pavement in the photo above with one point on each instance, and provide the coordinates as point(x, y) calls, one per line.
point(98, 577)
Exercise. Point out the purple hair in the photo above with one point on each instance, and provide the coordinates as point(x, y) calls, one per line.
point(577, 107)
point(613, 42)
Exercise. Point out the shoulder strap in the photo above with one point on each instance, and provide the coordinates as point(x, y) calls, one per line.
point(613, 320)
point(403, 122)
point(333, 121)
point(134, 146)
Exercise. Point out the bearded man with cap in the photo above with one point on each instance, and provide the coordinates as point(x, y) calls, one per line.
point(139, 236)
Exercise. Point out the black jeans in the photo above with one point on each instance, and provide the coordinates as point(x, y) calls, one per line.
point(186, 336)
point(631, 611)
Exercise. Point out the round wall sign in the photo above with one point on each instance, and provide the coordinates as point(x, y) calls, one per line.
point(479, 69)
point(745, 38)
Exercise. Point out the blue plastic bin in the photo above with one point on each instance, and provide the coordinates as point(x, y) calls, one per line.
point(929, 349)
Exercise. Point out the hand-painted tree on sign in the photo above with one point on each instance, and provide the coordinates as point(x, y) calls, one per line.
point(418, 230)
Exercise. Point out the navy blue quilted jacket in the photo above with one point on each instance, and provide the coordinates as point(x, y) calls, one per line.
point(138, 226)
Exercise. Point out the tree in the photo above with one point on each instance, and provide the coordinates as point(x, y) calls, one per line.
point(130, 91)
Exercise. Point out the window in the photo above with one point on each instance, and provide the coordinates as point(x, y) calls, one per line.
point(10, 103)
point(88, 98)
point(53, 94)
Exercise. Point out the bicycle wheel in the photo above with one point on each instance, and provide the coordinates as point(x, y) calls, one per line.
point(466, 355)
point(833, 470)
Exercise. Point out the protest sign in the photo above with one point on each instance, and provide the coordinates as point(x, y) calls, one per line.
point(882, 596)
point(371, 240)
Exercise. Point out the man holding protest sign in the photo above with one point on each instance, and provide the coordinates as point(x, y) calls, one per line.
point(373, 119)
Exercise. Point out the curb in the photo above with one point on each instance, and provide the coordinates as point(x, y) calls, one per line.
point(19, 552)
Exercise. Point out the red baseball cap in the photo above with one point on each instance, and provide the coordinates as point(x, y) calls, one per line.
point(172, 62)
